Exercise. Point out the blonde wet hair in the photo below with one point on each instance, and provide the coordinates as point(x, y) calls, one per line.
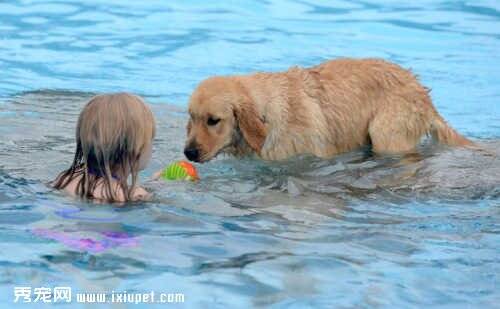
point(112, 133)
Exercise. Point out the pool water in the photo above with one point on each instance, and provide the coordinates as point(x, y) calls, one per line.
point(356, 231)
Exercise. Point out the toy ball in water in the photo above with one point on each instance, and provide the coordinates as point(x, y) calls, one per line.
point(180, 170)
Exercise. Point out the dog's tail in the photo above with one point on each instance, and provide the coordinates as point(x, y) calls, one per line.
point(445, 134)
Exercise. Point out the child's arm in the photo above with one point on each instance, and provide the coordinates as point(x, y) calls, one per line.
point(156, 175)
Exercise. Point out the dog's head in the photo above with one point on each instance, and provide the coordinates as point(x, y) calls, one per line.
point(220, 111)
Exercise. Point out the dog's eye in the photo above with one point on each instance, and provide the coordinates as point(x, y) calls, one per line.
point(213, 121)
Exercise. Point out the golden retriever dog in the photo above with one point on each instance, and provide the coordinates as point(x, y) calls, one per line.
point(335, 107)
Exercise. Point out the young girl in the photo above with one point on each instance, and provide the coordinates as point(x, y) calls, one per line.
point(114, 138)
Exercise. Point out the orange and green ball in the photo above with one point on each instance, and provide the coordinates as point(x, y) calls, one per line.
point(180, 170)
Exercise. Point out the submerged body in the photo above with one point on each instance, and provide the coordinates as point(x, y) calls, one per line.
point(325, 110)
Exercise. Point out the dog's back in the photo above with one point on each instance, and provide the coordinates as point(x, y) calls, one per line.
point(382, 102)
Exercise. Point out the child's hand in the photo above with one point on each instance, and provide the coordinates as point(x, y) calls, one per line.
point(156, 175)
point(140, 194)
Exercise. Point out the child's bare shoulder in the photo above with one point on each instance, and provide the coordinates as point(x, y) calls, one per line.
point(72, 186)
point(101, 193)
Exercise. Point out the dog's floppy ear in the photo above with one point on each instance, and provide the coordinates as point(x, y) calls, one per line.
point(251, 125)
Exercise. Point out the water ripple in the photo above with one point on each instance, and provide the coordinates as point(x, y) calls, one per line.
point(421, 230)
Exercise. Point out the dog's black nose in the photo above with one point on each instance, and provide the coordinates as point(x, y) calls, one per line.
point(192, 154)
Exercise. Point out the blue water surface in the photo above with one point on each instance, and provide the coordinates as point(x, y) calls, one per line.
point(356, 231)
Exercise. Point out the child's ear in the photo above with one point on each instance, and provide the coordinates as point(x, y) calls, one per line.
point(251, 125)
